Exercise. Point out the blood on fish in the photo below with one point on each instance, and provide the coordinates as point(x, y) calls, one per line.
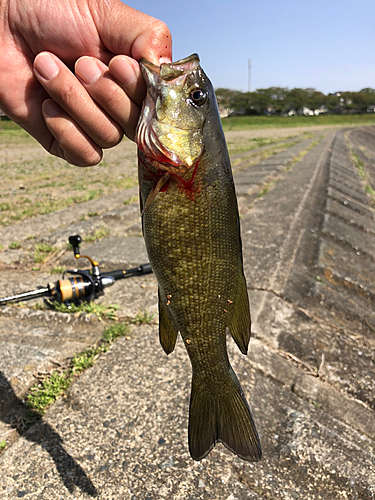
point(185, 186)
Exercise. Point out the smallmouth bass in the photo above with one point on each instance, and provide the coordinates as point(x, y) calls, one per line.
point(191, 228)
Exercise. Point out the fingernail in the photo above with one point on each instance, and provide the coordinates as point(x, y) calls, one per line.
point(46, 66)
point(87, 70)
point(51, 109)
point(123, 71)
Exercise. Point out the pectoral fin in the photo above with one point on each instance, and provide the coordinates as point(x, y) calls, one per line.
point(239, 323)
point(167, 332)
point(155, 191)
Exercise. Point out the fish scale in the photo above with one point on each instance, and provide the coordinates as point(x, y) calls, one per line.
point(191, 228)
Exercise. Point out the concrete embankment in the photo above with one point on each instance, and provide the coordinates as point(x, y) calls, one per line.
point(120, 431)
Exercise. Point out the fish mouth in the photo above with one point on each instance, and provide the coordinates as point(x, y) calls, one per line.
point(169, 71)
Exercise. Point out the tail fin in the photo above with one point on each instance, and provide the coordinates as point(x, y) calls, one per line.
point(223, 418)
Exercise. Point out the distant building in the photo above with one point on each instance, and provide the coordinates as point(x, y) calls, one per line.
point(321, 110)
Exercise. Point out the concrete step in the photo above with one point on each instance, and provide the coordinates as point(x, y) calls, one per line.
point(250, 181)
point(356, 206)
point(349, 235)
point(347, 268)
point(351, 217)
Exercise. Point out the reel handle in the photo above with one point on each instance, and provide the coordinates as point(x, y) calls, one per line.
point(75, 241)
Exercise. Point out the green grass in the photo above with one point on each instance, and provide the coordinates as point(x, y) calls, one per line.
point(253, 122)
point(12, 131)
point(113, 332)
point(87, 358)
point(46, 392)
point(15, 245)
point(3, 444)
point(369, 189)
point(42, 251)
point(99, 233)
point(57, 270)
point(359, 164)
point(101, 311)
point(35, 183)
point(143, 318)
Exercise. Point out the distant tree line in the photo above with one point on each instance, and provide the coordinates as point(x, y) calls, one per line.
point(283, 101)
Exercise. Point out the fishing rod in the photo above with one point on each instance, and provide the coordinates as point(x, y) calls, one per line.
point(79, 285)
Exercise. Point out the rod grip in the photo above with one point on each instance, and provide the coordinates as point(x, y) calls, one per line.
point(118, 274)
point(125, 273)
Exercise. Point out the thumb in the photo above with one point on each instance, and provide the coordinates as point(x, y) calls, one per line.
point(124, 30)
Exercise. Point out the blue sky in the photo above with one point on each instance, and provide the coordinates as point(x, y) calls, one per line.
point(325, 44)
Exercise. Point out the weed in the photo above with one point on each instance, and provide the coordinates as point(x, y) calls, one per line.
point(15, 245)
point(113, 332)
point(101, 311)
point(42, 250)
point(85, 359)
point(133, 199)
point(143, 317)
point(57, 270)
point(47, 391)
point(266, 188)
point(44, 247)
point(3, 444)
point(99, 233)
point(359, 164)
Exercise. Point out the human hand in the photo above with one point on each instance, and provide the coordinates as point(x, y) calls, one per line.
point(76, 116)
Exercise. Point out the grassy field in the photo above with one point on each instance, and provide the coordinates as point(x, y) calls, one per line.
point(257, 122)
point(32, 182)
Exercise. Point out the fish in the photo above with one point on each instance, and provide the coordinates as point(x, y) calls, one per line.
point(191, 229)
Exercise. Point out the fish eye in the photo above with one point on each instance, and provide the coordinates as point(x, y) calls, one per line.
point(198, 96)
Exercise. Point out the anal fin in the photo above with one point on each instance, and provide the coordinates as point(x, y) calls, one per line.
point(239, 321)
point(167, 332)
